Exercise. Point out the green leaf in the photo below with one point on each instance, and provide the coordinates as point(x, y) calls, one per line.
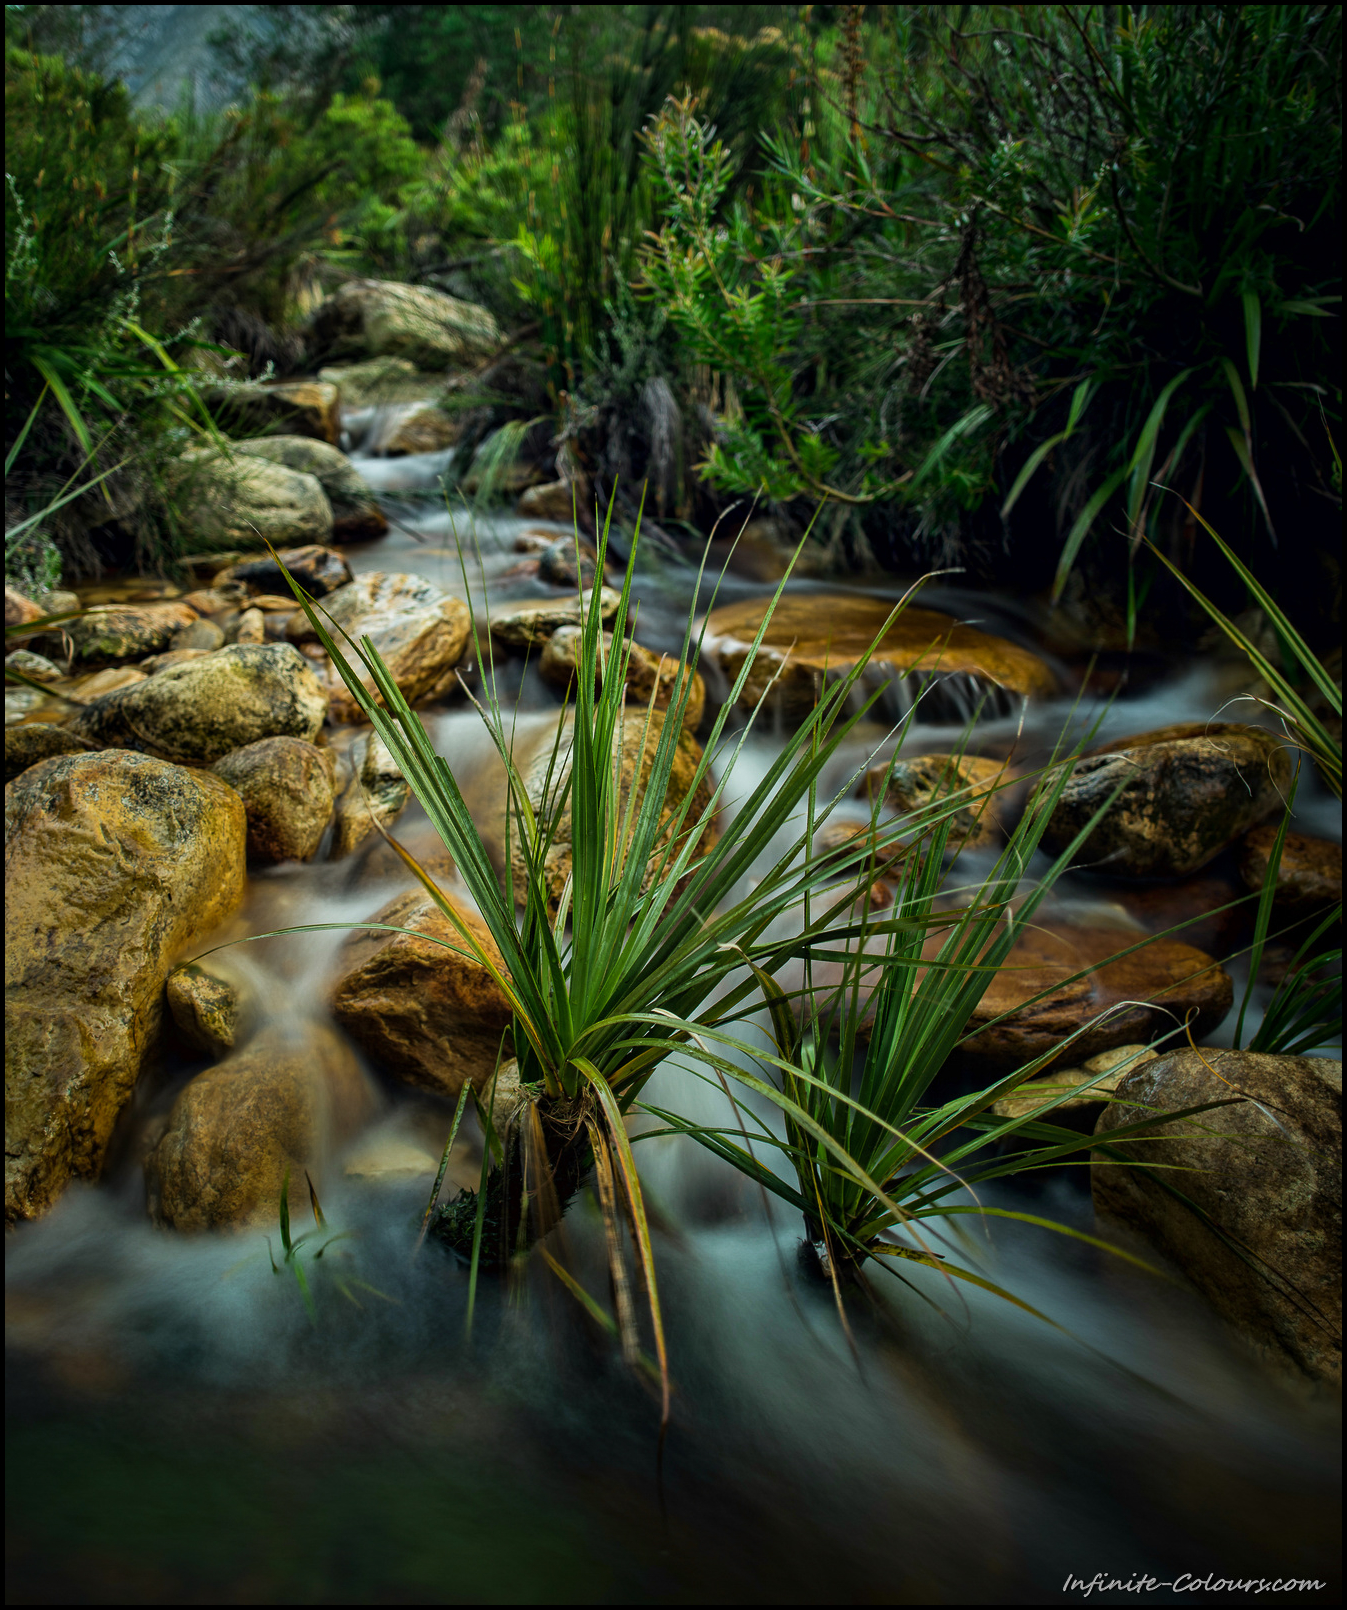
point(1253, 334)
point(1081, 529)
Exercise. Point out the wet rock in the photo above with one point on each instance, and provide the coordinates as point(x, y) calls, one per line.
point(175, 656)
point(1035, 1093)
point(35, 741)
point(200, 634)
point(319, 571)
point(247, 502)
point(308, 408)
point(421, 428)
point(293, 1091)
point(113, 863)
point(420, 632)
point(286, 786)
point(36, 667)
point(356, 515)
point(205, 1008)
point(542, 756)
point(429, 1015)
point(382, 318)
point(197, 712)
point(21, 702)
point(214, 600)
point(564, 502)
point(527, 625)
point(916, 783)
point(112, 633)
point(824, 634)
point(380, 383)
point(647, 673)
point(1310, 872)
point(375, 791)
point(88, 688)
point(1187, 792)
point(20, 609)
point(1194, 906)
point(249, 627)
point(1163, 985)
point(558, 565)
point(1266, 1171)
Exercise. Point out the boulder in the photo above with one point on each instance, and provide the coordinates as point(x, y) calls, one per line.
point(1266, 1172)
point(647, 673)
point(36, 667)
point(1163, 984)
point(380, 383)
point(294, 1091)
point(542, 757)
point(916, 783)
point(1035, 1093)
point(564, 502)
point(1310, 872)
point(309, 408)
point(198, 711)
point(205, 1008)
point(356, 515)
point(319, 571)
point(375, 791)
point(111, 633)
point(38, 740)
point(1186, 793)
point(382, 318)
point(247, 502)
point(419, 631)
point(431, 1016)
point(113, 863)
point(524, 626)
point(817, 635)
point(418, 427)
point(286, 786)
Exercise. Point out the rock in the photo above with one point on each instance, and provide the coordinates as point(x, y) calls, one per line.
point(544, 775)
point(1164, 984)
point(249, 627)
point(1036, 1093)
point(356, 515)
point(558, 567)
point(917, 783)
point(533, 542)
point(280, 1103)
point(215, 600)
point(564, 502)
point(176, 656)
point(204, 1007)
point(19, 609)
point(814, 635)
point(418, 630)
point(113, 863)
point(111, 633)
point(382, 318)
point(380, 383)
point(1186, 793)
point(197, 712)
point(319, 571)
point(248, 502)
point(430, 1016)
point(1267, 1171)
point(35, 741)
point(1191, 905)
point(420, 427)
point(646, 673)
point(286, 786)
point(387, 1160)
point(36, 667)
point(375, 791)
point(526, 625)
point(200, 634)
point(308, 408)
point(88, 688)
point(1310, 873)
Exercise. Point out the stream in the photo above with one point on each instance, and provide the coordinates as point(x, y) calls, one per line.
point(179, 1432)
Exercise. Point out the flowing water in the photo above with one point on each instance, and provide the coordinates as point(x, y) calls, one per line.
point(180, 1433)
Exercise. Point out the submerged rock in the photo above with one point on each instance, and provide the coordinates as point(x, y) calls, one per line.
point(523, 626)
point(818, 635)
point(647, 673)
point(1266, 1172)
point(383, 318)
point(286, 786)
point(1187, 792)
point(419, 631)
point(111, 633)
point(375, 791)
point(198, 711)
point(356, 515)
point(280, 1103)
point(247, 502)
point(113, 862)
point(25, 746)
point(916, 783)
point(431, 1016)
point(1310, 872)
